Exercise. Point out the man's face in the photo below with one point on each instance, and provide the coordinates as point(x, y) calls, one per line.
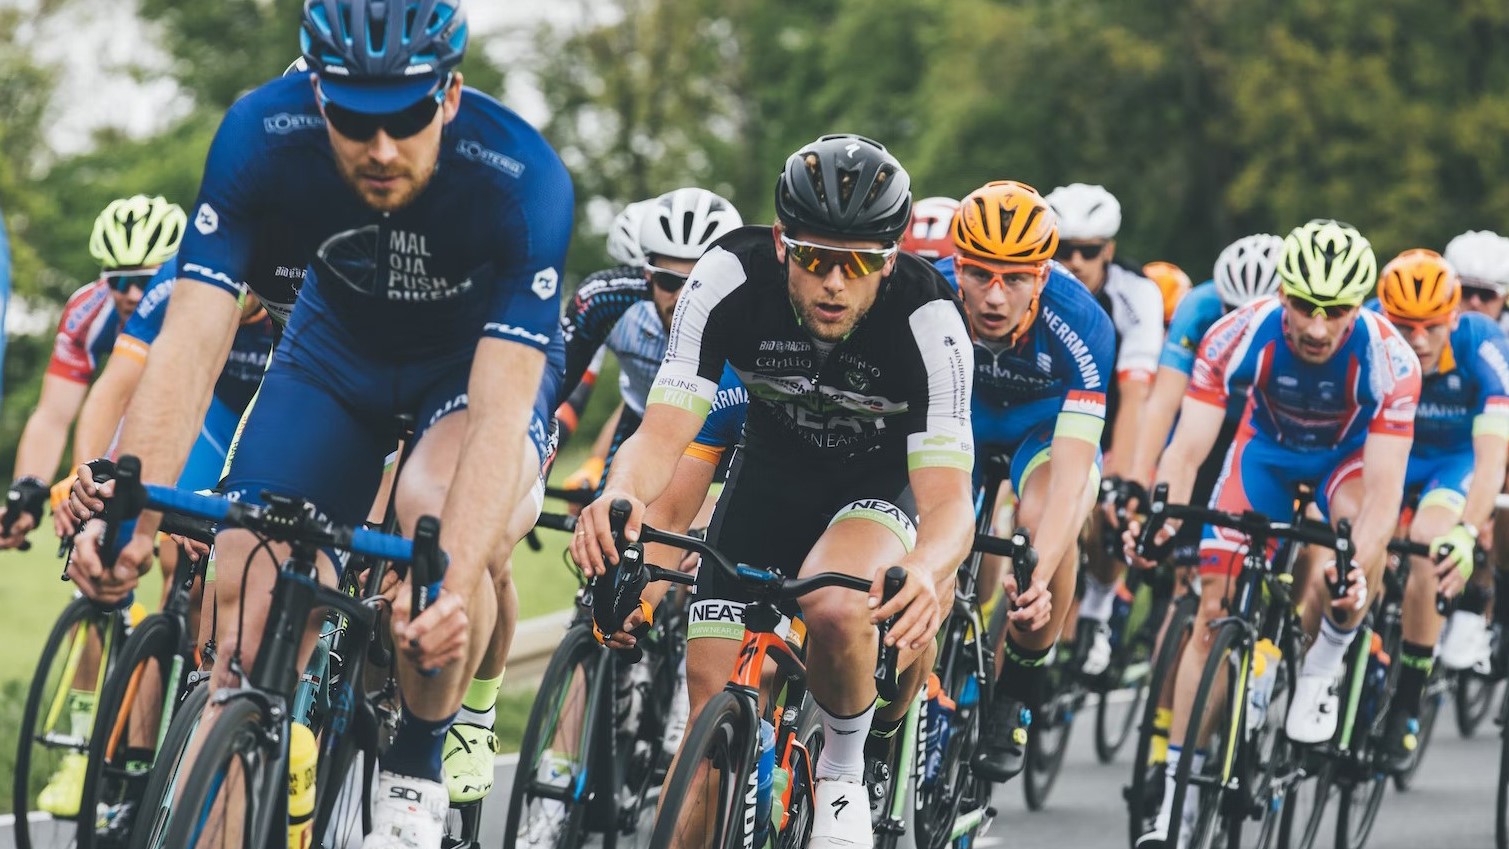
point(667, 278)
point(832, 283)
point(1488, 300)
point(388, 168)
point(1315, 334)
point(126, 287)
point(996, 296)
point(1088, 260)
point(1427, 339)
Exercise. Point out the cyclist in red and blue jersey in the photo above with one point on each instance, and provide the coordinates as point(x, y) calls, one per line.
point(432, 223)
point(132, 237)
point(1043, 359)
point(1456, 466)
point(1330, 385)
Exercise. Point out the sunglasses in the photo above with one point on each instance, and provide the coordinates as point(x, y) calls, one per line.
point(822, 259)
point(1310, 308)
point(665, 279)
point(124, 281)
point(1088, 250)
point(406, 122)
point(1481, 293)
point(981, 274)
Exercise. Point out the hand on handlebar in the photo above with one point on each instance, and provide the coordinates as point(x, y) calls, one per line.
point(915, 607)
point(1356, 596)
point(1133, 534)
point(625, 638)
point(107, 586)
point(439, 636)
point(592, 545)
point(1030, 608)
point(1453, 560)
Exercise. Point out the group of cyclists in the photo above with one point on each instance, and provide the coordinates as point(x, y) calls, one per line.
point(373, 239)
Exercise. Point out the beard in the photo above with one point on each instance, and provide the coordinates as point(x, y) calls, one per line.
point(829, 331)
point(407, 183)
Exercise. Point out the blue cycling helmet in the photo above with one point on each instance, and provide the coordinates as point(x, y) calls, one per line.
point(378, 56)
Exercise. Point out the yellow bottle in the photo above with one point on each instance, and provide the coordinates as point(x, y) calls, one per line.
point(303, 756)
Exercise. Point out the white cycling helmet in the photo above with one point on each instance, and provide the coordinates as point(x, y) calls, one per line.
point(1248, 269)
point(623, 235)
point(1085, 212)
point(1481, 259)
point(681, 224)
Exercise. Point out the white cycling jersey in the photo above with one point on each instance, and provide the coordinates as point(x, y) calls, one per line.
point(1136, 307)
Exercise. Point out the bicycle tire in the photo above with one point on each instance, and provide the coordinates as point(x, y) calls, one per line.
point(45, 689)
point(1048, 742)
point(1306, 805)
point(938, 806)
point(147, 832)
point(1135, 649)
point(578, 651)
point(639, 753)
point(156, 638)
point(1224, 638)
point(236, 735)
point(344, 779)
point(1181, 621)
point(721, 738)
point(1473, 698)
point(1501, 803)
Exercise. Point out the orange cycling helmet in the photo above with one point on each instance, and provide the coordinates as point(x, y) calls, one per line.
point(1007, 222)
point(1419, 285)
point(1174, 283)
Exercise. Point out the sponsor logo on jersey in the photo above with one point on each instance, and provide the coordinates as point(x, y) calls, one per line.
point(154, 298)
point(284, 123)
point(1080, 352)
point(784, 345)
point(1433, 411)
point(545, 283)
point(1402, 360)
point(1088, 403)
point(515, 331)
point(1490, 355)
point(710, 610)
point(210, 274)
point(206, 220)
point(470, 149)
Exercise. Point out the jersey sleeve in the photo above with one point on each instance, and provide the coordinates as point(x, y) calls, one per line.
point(1191, 320)
point(219, 241)
point(725, 424)
point(694, 353)
point(589, 318)
point(1396, 373)
point(1491, 362)
point(941, 433)
point(1217, 355)
point(72, 359)
point(531, 254)
point(1084, 355)
point(1140, 329)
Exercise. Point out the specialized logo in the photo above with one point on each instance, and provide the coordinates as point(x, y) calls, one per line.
point(839, 804)
point(206, 220)
point(284, 123)
point(545, 283)
point(491, 158)
point(851, 148)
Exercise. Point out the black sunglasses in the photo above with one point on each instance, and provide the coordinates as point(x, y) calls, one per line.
point(1310, 308)
point(1481, 293)
point(123, 281)
point(406, 122)
point(666, 280)
point(1088, 250)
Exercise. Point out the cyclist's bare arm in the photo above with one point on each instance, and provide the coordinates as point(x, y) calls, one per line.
point(1157, 420)
point(1490, 451)
point(1199, 426)
point(46, 432)
point(106, 405)
point(1384, 460)
point(945, 532)
point(1133, 390)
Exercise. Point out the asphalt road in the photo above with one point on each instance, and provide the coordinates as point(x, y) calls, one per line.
point(1450, 807)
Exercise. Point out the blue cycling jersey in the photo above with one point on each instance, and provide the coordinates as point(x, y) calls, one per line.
point(1199, 309)
point(246, 362)
point(478, 252)
point(1059, 369)
point(725, 424)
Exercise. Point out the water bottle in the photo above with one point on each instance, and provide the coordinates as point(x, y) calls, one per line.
point(1265, 663)
point(969, 694)
point(764, 783)
point(303, 755)
point(940, 712)
point(780, 785)
point(1377, 680)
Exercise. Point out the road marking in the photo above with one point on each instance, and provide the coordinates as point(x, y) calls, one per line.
point(9, 820)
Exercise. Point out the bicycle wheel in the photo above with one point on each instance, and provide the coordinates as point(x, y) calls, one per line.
point(953, 794)
point(1115, 717)
point(639, 752)
point(703, 803)
point(150, 826)
point(236, 765)
point(1501, 801)
point(1145, 792)
point(1048, 742)
point(1209, 822)
point(1430, 709)
point(1473, 697)
point(547, 805)
point(346, 774)
point(54, 739)
point(1305, 804)
point(135, 707)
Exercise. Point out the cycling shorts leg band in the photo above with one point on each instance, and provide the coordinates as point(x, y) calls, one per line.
point(884, 513)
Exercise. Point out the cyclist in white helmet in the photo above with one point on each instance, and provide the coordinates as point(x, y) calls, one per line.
point(1481, 259)
point(623, 235)
point(1089, 217)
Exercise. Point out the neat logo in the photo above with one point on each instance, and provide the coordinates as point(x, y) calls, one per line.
point(207, 220)
point(545, 283)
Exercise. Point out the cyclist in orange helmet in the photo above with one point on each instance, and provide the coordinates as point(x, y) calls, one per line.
point(1174, 283)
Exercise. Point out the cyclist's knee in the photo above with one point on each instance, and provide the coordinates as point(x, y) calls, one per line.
point(837, 616)
point(1432, 522)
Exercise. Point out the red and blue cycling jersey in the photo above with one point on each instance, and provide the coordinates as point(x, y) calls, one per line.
point(86, 332)
point(1371, 384)
point(1195, 315)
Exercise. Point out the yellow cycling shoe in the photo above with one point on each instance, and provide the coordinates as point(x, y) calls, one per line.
point(468, 758)
point(62, 794)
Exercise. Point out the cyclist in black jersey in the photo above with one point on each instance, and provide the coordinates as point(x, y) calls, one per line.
point(858, 448)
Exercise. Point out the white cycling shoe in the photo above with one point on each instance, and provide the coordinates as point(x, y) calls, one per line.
point(1312, 714)
point(841, 816)
point(1468, 643)
point(407, 813)
point(1098, 656)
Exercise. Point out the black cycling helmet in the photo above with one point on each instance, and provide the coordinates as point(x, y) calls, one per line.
point(845, 186)
point(382, 55)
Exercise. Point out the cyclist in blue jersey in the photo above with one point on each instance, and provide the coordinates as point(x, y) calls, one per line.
point(1330, 384)
point(1456, 466)
point(1043, 360)
point(432, 225)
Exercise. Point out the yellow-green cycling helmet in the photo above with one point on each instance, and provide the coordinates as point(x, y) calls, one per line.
point(1327, 262)
point(137, 232)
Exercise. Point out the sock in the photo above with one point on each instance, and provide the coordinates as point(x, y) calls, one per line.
point(417, 746)
point(1417, 660)
point(1166, 810)
point(1024, 675)
point(1096, 605)
point(1163, 720)
point(843, 755)
point(1330, 649)
point(886, 728)
point(480, 704)
point(1192, 795)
